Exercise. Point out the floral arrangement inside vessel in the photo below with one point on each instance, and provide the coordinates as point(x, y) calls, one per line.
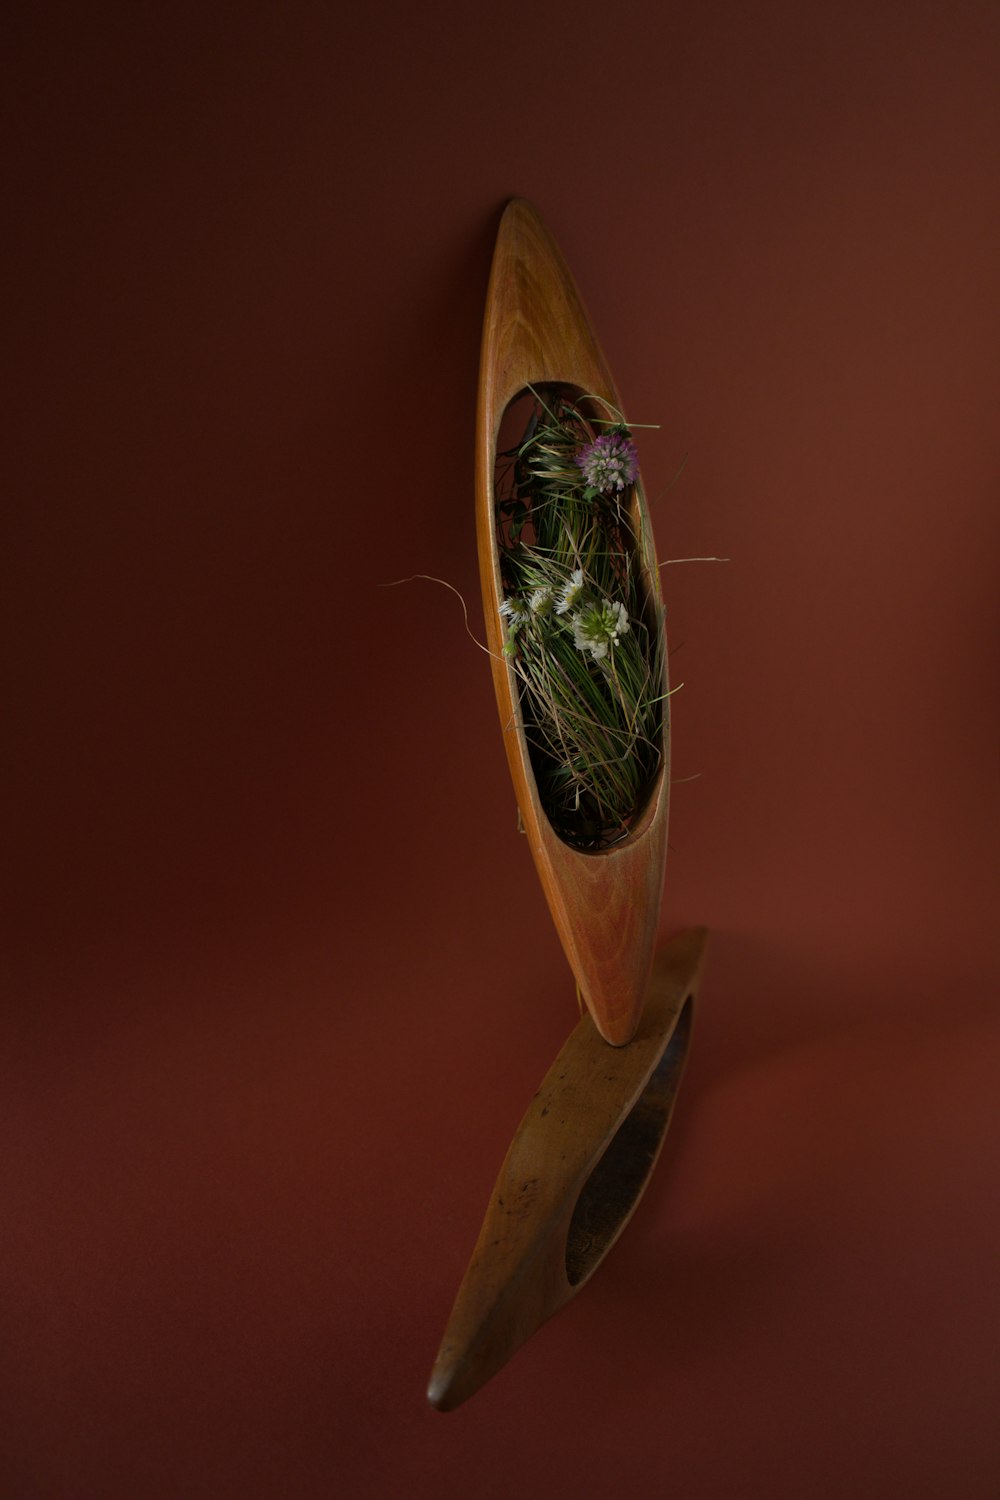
point(584, 631)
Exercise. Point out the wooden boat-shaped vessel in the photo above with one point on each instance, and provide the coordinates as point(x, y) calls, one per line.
point(605, 903)
point(575, 1171)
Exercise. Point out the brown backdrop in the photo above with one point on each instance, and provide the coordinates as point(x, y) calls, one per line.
point(279, 980)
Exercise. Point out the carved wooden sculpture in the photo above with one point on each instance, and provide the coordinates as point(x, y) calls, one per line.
point(589, 1141)
point(574, 1173)
point(605, 905)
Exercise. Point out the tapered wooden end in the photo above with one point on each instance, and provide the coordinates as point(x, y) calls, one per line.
point(576, 1169)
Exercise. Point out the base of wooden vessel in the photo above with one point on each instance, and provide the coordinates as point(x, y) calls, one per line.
point(576, 1169)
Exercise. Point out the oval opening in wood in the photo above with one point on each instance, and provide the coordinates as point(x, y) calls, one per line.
point(591, 677)
point(615, 1186)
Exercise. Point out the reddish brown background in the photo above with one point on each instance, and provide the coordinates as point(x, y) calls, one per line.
point(279, 980)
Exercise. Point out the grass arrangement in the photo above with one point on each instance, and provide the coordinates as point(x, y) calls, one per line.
point(583, 635)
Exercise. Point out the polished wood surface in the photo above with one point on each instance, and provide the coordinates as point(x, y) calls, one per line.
point(605, 904)
point(576, 1169)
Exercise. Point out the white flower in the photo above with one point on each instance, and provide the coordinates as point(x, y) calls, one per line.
point(541, 601)
point(570, 592)
point(621, 624)
point(515, 612)
point(598, 628)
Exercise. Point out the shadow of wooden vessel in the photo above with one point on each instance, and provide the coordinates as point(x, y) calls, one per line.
point(576, 1169)
point(605, 903)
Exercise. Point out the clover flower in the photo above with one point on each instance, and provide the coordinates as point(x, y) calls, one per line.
point(570, 592)
point(598, 628)
point(540, 601)
point(610, 462)
point(515, 613)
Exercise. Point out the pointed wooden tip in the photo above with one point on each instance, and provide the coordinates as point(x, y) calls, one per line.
point(575, 1171)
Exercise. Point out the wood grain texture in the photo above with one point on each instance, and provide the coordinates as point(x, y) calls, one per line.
point(576, 1168)
point(605, 904)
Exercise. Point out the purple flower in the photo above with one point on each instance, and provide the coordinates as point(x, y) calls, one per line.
point(610, 462)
